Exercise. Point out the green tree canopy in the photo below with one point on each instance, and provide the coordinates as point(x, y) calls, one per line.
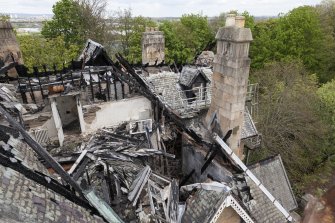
point(290, 120)
point(77, 20)
point(327, 95)
point(128, 34)
point(298, 34)
point(37, 51)
point(4, 17)
point(186, 38)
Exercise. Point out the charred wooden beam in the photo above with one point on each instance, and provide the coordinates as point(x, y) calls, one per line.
point(44, 180)
point(214, 152)
point(3, 70)
point(81, 169)
point(36, 73)
point(174, 201)
point(108, 86)
point(91, 85)
point(186, 178)
point(31, 91)
point(40, 151)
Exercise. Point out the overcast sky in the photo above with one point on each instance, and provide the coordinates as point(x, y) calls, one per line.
point(164, 8)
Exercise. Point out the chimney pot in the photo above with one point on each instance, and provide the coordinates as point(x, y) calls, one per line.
point(230, 20)
point(240, 21)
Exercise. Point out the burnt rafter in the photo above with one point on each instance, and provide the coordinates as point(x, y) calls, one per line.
point(6, 68)
point(214, 151)
point(41, 151)
point(142, 86)
point(42, 179)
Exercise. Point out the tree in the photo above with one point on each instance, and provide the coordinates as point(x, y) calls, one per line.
point(128, 34)
point(217, 21)
point(186, 38)
point(264, 47)
point(289, 120)
point(326, 11)
point(37, 50)
point(135, 38)
point(77, 20)
point(4, 17)
point(295, 35)
point(327, 96)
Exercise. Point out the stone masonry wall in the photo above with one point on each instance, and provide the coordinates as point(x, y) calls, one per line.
point(230, 80)
point(153, 45)
point(9, 45)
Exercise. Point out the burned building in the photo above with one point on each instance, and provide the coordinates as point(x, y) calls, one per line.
point(125, 143)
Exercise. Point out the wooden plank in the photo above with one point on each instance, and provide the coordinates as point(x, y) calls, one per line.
point(74, 166)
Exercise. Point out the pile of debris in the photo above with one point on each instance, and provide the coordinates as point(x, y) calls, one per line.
point(116, 163)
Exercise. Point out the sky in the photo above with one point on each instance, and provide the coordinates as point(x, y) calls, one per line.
point(169, 8)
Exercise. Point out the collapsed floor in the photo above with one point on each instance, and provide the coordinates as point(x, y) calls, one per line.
point(159, 163)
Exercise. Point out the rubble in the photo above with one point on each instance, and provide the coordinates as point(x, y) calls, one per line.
point(134, 149)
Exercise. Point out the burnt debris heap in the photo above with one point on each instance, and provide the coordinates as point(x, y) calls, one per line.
point(144, 143)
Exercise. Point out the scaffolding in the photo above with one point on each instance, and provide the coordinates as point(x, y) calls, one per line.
point(251, 100)
point(187, 106)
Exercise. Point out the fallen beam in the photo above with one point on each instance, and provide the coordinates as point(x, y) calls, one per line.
point(41, 151)
point(80, 158)
point(102, 207)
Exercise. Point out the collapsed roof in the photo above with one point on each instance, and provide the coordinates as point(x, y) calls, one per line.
point(123, 172)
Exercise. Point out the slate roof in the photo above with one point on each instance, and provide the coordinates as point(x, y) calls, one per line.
point(94, 54)
point(271, 173)
point(24, 200)
point(167, 84)
point(202, 206)
point(261, 208)
point(189, 74)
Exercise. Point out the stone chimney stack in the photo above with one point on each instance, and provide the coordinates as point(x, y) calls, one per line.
point(9, 47)
point(230, 79)
point(153, 44)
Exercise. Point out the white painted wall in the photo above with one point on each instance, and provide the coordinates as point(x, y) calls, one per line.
point(115, 112)
point(67, 109)
point(57, 120)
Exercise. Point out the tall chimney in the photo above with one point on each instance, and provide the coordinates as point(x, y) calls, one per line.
point(9, 47)
point(153, 44)
point(230, 80)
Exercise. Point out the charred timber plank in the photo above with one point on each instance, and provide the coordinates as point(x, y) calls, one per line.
point(41, 151)
point(44, 180)
point(81, 169)
point(4, 69)
point(186, 178)
point(174, 201)
point(215, 151)
point(118, 136)
point(80, 158)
